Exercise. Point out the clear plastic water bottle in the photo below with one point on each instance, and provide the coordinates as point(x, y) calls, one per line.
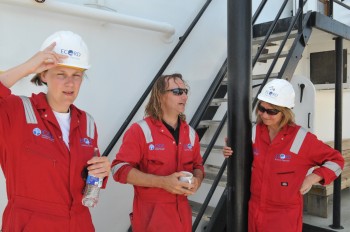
point(92, 188)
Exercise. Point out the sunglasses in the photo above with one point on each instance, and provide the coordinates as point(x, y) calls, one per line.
point(268, 111)
point(177, 91)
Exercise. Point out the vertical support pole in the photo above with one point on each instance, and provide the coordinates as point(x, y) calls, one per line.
point(338, 128)
point(239, 63)
point(330, 8)
point(300, 20)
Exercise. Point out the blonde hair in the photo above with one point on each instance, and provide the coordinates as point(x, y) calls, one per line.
point(288, 117)
point(153, 107)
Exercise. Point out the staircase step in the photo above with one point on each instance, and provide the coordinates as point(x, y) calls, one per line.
point(217, 101)
point(274, 37)
point(262, 76)
point(215, 147)
point(207, 123)
point(254, 77)
point(196, 207)
point(211, 172)
point(264, 57)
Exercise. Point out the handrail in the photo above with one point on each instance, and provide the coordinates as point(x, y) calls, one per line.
point(196, 119)
point(97, 14)
point(300, 22)
point(258, 11)
point(209, 96)
point(342, 4)
point(160, 72)
point(222, 123)
point(269, 32)
point(215, 137)
point(299, 12)
point(209, 196)
point(216, 84)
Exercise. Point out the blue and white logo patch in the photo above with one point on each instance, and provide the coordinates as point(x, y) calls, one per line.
point(188, 147)
point(86, 142)
point(271, 92)
point(283, 157)
point(44, 134)
point(36, 131)
point(156, 147)
point(47, 135)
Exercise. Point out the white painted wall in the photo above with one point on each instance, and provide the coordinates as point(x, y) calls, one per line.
point(324, 107)
point(124, 60)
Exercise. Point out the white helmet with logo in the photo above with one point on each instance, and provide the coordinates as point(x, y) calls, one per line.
point(278, 92)
point(72, 45)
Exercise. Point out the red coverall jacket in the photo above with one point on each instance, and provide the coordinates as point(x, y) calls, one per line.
point(43, 178)
point(278, 171)
point(154, 209)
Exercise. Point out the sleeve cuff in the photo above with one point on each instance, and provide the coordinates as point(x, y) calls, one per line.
point(327, 177)
point(122, 174)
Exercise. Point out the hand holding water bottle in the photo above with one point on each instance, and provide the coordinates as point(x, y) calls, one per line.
point(99, 167)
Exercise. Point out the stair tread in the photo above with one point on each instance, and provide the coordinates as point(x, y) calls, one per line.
point(196, 207)
point(255, 77)
point(264, 57)
point(216, 147)
point(274, 37)
point(217, 101)
point(209, 122)
point(211, 172)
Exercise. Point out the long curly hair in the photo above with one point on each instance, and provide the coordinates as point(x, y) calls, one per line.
point(153, 107)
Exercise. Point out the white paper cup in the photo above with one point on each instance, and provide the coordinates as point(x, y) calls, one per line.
point(187, 178)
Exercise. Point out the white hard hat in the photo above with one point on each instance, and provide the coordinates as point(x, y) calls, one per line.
point(72, 45)
point(278, 92)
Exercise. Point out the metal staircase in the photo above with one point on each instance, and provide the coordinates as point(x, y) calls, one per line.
point(278, 46)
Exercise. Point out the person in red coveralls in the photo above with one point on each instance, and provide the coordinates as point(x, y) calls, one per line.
point(153, 152)
point(283, 154)
point(46, 141)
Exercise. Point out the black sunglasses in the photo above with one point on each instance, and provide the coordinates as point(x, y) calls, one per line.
point(177, 91)
point(268, 111)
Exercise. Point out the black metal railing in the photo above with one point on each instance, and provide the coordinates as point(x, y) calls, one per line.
point(203, 106)
point(209, 196)
point(205, 103)
point(217, 81)
point(212, 90)
point(331, 6)
point(342, 4)
point(273, 64)
point(269, 32)
point(258, 11)
point(301, 21)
